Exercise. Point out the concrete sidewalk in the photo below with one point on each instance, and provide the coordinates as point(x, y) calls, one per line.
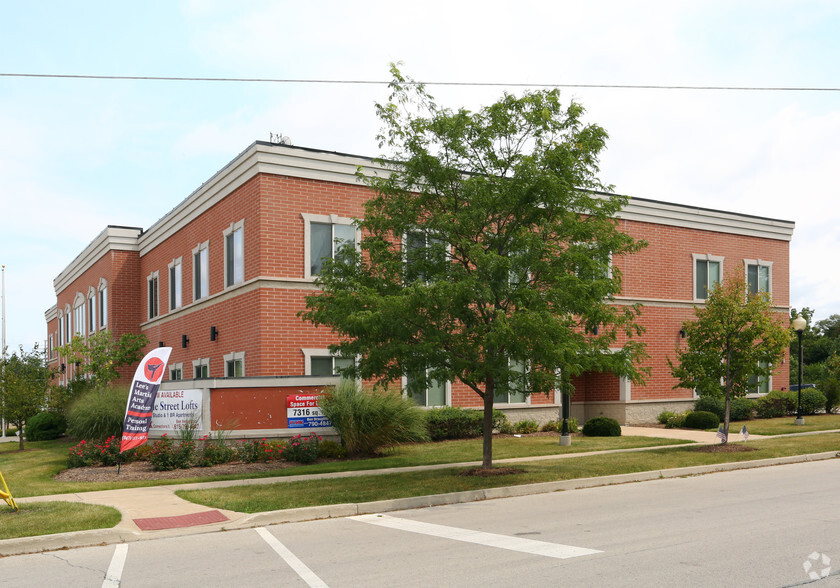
point(156, 511)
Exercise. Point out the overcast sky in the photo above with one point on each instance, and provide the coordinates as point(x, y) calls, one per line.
point(77, 155)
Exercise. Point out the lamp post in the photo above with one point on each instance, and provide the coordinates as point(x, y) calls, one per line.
point(799, 325)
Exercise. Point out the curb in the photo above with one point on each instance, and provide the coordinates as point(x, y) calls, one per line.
point(96, 537)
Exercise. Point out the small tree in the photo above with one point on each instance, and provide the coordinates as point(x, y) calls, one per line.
point(24, 378)
point(486, 252)
point(735, 340)
point(829, 384)
point(100, 355)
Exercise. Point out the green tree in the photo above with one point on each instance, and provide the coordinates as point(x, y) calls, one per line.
point(24, 380)
point(829, 384)
point(100, 355)
point(734, 339)
point(486, 253)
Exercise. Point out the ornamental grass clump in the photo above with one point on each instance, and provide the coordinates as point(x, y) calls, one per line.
point(98, 413)
point(371, 420)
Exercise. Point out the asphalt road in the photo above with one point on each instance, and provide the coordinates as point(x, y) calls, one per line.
point(744, 528)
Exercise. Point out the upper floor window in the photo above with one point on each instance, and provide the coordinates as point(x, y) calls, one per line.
point(201, 271)
point(52, 346)
point(68, 322)
point(423, 253)
point(235, 364)
point(92, 325)
point(152, 282)
point(235, 254)
point(708, 271)
point(325, 236)
point(758, 275)
point(60, 329)
point(176, 298)
point(79, 316)
point(103, 304)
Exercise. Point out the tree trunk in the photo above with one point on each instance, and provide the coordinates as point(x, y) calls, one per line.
point(726, 417)
point(487, 454)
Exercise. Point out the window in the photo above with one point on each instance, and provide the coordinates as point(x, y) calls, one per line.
point(235, 364)
point(759, 384)
point(79, 317)
point(103, 304)
point(92, 311)
point(60, 329)
point(708, 270)
point(152, 283)
point(234, 254)
point(67, 323)
point(325, 235)
point(201, 368)
point(201, 271)
point(176, 298)
point(176, 371)
point(433, 395)
point(423, 253)
point(328, 365)
point(52, 346)
point(758, 275)
point(514, 391)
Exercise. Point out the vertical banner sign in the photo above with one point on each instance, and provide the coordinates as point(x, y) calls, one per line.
point(141, 398)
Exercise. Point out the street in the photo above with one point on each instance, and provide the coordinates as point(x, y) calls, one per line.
point(761, 527)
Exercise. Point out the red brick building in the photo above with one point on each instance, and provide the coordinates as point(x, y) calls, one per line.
point(221, 277)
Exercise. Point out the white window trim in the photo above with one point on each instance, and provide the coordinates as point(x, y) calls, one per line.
point(447, 388)
point(200, 247)
point(93, 324)
point(239, 225)
point(702, 257)
point(332, 219)
point(177, 366)
point(235, 356)
point(760, 263)
point(103, 316)
point(155, 275)
point(60, 328)
point(178, 303)
point(201, 361)
point(513, 404)
point(79, 329)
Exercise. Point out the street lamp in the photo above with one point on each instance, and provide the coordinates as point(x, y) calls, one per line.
point(799, 325)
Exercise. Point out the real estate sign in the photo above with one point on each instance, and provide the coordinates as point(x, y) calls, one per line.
point(175, 409)
point(303, 412)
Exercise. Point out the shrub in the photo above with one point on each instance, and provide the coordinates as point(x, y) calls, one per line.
point(253, 450)
point(602, 427)
point(106, 453)
point(369, 421)
point(214, 451)
point(526, 426)
point(740, 409)
point(165, 455)
point(303, 449)
point(551, 427)
point(462, 423)
point(676, 421)
point(778, 404)
point(813, 401)
point(665, 416)
point(98, 413)
point(830, 387)
point(331, 450)
point(82, 454)
point(45, 426)
point(701, 419)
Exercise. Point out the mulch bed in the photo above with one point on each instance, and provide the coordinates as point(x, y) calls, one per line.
point(724, 448)
point(492, 472)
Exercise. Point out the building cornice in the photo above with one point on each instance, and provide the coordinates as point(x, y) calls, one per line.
point(112, 238)
point(51, 313)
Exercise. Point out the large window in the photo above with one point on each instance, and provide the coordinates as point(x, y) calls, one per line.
point(423, 254)
point(434, 394)
point(176, 294)
point(201, 271)
point(328, 365)
point(79, 317)
point(60, 329)
point(103, 304)
point(234, 254)
point(708, 271)
point(235, 364)
point(92, 311)
point(153, 290)
point(325, 236)
point(514, 391)
point(760, 384)
point(758, 275)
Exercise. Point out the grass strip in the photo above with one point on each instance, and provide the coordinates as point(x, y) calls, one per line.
point(285, 495)
point(30, 472)
point(784, 425)
point(46, 518)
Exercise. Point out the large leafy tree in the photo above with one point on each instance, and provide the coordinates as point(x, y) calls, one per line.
point(100, 355)
point(487, 247)
point(24, 381)
point(734, 339)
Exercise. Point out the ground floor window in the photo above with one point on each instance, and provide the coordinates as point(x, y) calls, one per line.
point(235, 364)
point(514, 391)
point(434, 394)
point(201, 368)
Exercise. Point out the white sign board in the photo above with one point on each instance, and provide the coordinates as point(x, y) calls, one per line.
point(176, 408)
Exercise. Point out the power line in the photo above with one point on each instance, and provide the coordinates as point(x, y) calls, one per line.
point(432, 83)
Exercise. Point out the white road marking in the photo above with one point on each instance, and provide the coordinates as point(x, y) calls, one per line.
point(290, 558)
point(114, 574)
point(531, 546)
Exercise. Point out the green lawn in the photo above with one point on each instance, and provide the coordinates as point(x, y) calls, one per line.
point(46, 518)
point(784, 425)
point(284, 495)
point(29, 473)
